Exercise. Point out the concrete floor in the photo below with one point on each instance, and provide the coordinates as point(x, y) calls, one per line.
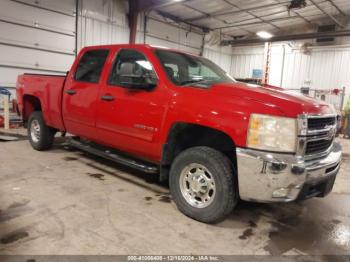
point(65, 202)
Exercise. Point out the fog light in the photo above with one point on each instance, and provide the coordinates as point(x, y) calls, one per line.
point(277, 167)
point(280, 193)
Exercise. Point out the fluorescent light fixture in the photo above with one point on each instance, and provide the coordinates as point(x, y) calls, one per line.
point(264, 34)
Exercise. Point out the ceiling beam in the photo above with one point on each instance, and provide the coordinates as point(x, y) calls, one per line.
point(216, 14)
point(209, 16)
point(238, 24)
point(287, 38)
point(270, 14)
point(179, 20)
point(156, 4)
point(336, 7)
point(256, 23)
point(301, 16)
point(252, 14)
point(326, 13)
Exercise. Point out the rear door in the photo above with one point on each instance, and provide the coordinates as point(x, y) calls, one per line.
point(129, 118)
point(81, 92)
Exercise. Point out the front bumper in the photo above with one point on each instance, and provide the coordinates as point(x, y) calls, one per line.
point(271, 177)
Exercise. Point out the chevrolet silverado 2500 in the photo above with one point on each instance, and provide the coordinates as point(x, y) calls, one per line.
point(180, 116)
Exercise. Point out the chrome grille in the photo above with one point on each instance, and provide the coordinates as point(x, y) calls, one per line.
point(320, 123)
point(318, 146)
point(316, 135)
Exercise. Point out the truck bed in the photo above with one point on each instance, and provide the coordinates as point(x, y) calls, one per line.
point(48, 89)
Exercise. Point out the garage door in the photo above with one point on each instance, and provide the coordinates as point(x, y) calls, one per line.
point(37, 36)
point(162, 34)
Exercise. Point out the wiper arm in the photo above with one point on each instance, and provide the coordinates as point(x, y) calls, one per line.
point(193, 81)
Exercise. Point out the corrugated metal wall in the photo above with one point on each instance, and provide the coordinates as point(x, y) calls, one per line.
point(244, 60)
point(102, 22)
point(222, 56)
point(320, 68)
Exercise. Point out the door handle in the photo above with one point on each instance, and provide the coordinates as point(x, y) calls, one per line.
point(107, 98)
point(71, 92)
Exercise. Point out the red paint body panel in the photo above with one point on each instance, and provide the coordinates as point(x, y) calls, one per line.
point(138, 122)
point(48, 89)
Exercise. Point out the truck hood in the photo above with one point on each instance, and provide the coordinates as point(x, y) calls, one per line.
point(290, 103)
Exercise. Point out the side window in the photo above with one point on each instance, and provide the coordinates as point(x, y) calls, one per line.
point(131, 68)
point(90, 66)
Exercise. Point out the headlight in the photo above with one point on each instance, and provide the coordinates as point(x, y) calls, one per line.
point(272, 133)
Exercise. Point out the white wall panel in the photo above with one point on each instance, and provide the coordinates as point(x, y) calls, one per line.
point(36, 36)
point(31, 15)
point(296, 70)
point(221, 56)
point(95, 32)
point(320, 68)
point(39, 36)
point(32, 37)
point(245, 59)
point(276, 68)
point(34, 59)
point(152, 40)
point(243, 65)
point(63, 6)
point(330, 69)
point(162, 34)
point(102, 22)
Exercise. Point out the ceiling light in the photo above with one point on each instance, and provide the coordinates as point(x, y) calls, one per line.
point(264, 34)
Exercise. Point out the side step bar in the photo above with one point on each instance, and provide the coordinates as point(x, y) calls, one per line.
point(114, 156)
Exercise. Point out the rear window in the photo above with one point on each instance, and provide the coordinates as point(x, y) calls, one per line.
point(90, 66)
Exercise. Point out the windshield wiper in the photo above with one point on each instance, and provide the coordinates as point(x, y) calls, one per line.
point(192, 81)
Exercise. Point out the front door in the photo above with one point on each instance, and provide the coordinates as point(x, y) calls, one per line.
point(131, 117)
point(81, 92)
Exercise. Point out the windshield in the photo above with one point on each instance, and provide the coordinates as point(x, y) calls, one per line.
point(183, 69)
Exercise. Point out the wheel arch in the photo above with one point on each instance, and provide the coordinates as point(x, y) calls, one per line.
point(30, 104)
point(182, 136)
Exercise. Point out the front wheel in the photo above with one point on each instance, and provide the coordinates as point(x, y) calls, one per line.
point(202, 184)
point(40, 135)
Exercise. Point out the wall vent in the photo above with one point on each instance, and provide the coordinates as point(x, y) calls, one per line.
point(325, 29)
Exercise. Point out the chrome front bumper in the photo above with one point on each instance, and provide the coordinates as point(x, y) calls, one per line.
point(270, 177)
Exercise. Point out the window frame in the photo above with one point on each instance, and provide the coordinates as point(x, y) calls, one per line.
point(180, 52)
point(103, 65)
point(114, 61)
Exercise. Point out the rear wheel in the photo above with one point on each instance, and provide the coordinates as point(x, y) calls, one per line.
point(202, 184)
point(40, 135)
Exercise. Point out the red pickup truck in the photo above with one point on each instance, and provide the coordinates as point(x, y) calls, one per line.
point(183, 118)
